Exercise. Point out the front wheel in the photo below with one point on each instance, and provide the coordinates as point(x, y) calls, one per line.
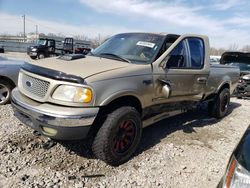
point(219, 107)
point(41, 56)
point(119, 136)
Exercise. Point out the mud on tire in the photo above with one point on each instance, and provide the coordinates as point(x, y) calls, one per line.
point(119, 136)
point(219, 107)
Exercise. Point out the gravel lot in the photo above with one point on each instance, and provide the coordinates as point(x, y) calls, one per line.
point(189, 150)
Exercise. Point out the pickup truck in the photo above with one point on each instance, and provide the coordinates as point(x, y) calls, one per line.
point(48, 47)
point(241, 60)
point(129, 82)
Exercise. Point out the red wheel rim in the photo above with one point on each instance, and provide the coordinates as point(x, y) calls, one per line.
point(124, 136)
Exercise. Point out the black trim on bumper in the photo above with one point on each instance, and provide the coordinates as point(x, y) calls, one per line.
point(56, 126)
point(62, 133)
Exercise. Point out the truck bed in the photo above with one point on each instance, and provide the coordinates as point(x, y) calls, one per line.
point(227, 73)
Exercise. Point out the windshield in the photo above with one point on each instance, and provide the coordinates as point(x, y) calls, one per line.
point(242, 66)
point(134, 47)
point(41, 42)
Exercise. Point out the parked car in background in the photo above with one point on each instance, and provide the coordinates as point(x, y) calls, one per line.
point(9, 70)
point(238, 170)
point(215, 59)
point(241, 60)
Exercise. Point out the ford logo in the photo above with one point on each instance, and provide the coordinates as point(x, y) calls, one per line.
point(28, 83)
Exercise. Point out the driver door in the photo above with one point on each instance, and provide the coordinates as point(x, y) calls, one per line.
point(184, 72)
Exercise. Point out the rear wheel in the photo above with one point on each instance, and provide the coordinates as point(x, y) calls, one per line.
point(119, 136)
point(5, 91)
point(219, 107)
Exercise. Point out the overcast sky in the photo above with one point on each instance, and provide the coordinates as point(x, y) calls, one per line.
point(226, 22)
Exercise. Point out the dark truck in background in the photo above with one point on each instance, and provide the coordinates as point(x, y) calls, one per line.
point(49, 47)
point(241, 60)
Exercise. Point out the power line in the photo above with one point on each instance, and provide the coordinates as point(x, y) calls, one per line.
point(44, 26)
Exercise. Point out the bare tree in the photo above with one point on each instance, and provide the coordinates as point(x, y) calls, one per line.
point(246, 48)
point(51, 34)
point(81, 37)
point(233, 47)
point(215, 51)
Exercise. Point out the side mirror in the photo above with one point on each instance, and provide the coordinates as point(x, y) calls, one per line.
point(166, 91)
point(166, 88)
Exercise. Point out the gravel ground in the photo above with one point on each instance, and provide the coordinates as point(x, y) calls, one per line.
point(189, 150)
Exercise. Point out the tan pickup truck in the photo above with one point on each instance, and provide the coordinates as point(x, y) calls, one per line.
point(131, 81)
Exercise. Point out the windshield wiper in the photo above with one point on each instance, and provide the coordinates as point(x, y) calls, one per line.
point(116, 56)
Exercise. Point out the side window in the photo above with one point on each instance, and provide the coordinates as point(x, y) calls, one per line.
point(196, 48)
point(188, 54)
point(178, 57)
point(50, 43)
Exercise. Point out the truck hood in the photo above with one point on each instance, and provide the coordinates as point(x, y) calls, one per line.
point(230, 57)
point(84, 67)
point(236, 57)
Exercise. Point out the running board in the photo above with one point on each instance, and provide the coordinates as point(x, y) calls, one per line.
point(160, 117)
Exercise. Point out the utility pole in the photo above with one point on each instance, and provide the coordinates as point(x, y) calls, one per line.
point(23, 28)
point(37, 33)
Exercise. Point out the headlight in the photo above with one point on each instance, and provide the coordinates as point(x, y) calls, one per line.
point(34, 50)
point(72, 94)
point(236, 176)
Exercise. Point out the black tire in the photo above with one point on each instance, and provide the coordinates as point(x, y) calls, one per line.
point(119, 136)
point(5, 92)
point(41, 56)
point(219, 107)
point(33, 57)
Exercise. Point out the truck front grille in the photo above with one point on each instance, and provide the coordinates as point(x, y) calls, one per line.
point(35, 86)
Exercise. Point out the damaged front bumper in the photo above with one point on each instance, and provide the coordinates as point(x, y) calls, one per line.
point(57, 122)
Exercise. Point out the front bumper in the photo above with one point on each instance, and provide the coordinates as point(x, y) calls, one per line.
point(57, 122)
point(33, 54)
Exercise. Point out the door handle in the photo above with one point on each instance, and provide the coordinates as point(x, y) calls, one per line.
point(202, 80)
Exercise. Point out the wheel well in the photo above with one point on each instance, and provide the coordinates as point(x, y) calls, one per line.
point(226, 85)
point(213, 96)
point(124, 101)
point(113, 105)
point(8, 80)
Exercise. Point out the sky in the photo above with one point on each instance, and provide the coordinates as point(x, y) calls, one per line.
point(226, 22)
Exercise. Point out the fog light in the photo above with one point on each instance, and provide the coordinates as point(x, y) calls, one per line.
point(49, 131)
